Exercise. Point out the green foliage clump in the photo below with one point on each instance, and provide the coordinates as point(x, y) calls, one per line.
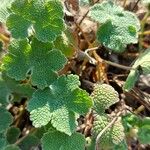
point(137, 127)
point(118, 27)
point(140, 66)
point(104, 96)
point(32, 75)
point(114, 135)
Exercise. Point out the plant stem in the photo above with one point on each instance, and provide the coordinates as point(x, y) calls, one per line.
point(109, 62)
point(118, 65)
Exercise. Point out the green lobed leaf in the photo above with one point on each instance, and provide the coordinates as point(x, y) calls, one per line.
point(6, 119)
point(107, 10)
point(4, 12)
point(63, 99)
point(12, 134)
point(44, 17)
point(141, 65)
point(118, 28)
point(38, 58)
point(60, 141)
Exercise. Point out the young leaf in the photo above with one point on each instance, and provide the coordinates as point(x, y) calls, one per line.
point(39, 59)
point(104, 96)
point(6, 119)
point(63, 100)
point(107, 10)
point(45, 17)
point(12, 134)
point(60, 141)
point(112, 136)
point(142, 64)
point(118, 28)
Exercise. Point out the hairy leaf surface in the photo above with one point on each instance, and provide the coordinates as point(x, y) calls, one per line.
point(118, 28)
point(61, 102)
point(60, 141)
point(37, 60)
point(4, 12)
point(44, 17)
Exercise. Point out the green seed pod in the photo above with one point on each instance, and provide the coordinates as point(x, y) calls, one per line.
point(104, 96)
point(114, 135)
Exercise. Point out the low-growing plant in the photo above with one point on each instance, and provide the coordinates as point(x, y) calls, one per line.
point(33, 79)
